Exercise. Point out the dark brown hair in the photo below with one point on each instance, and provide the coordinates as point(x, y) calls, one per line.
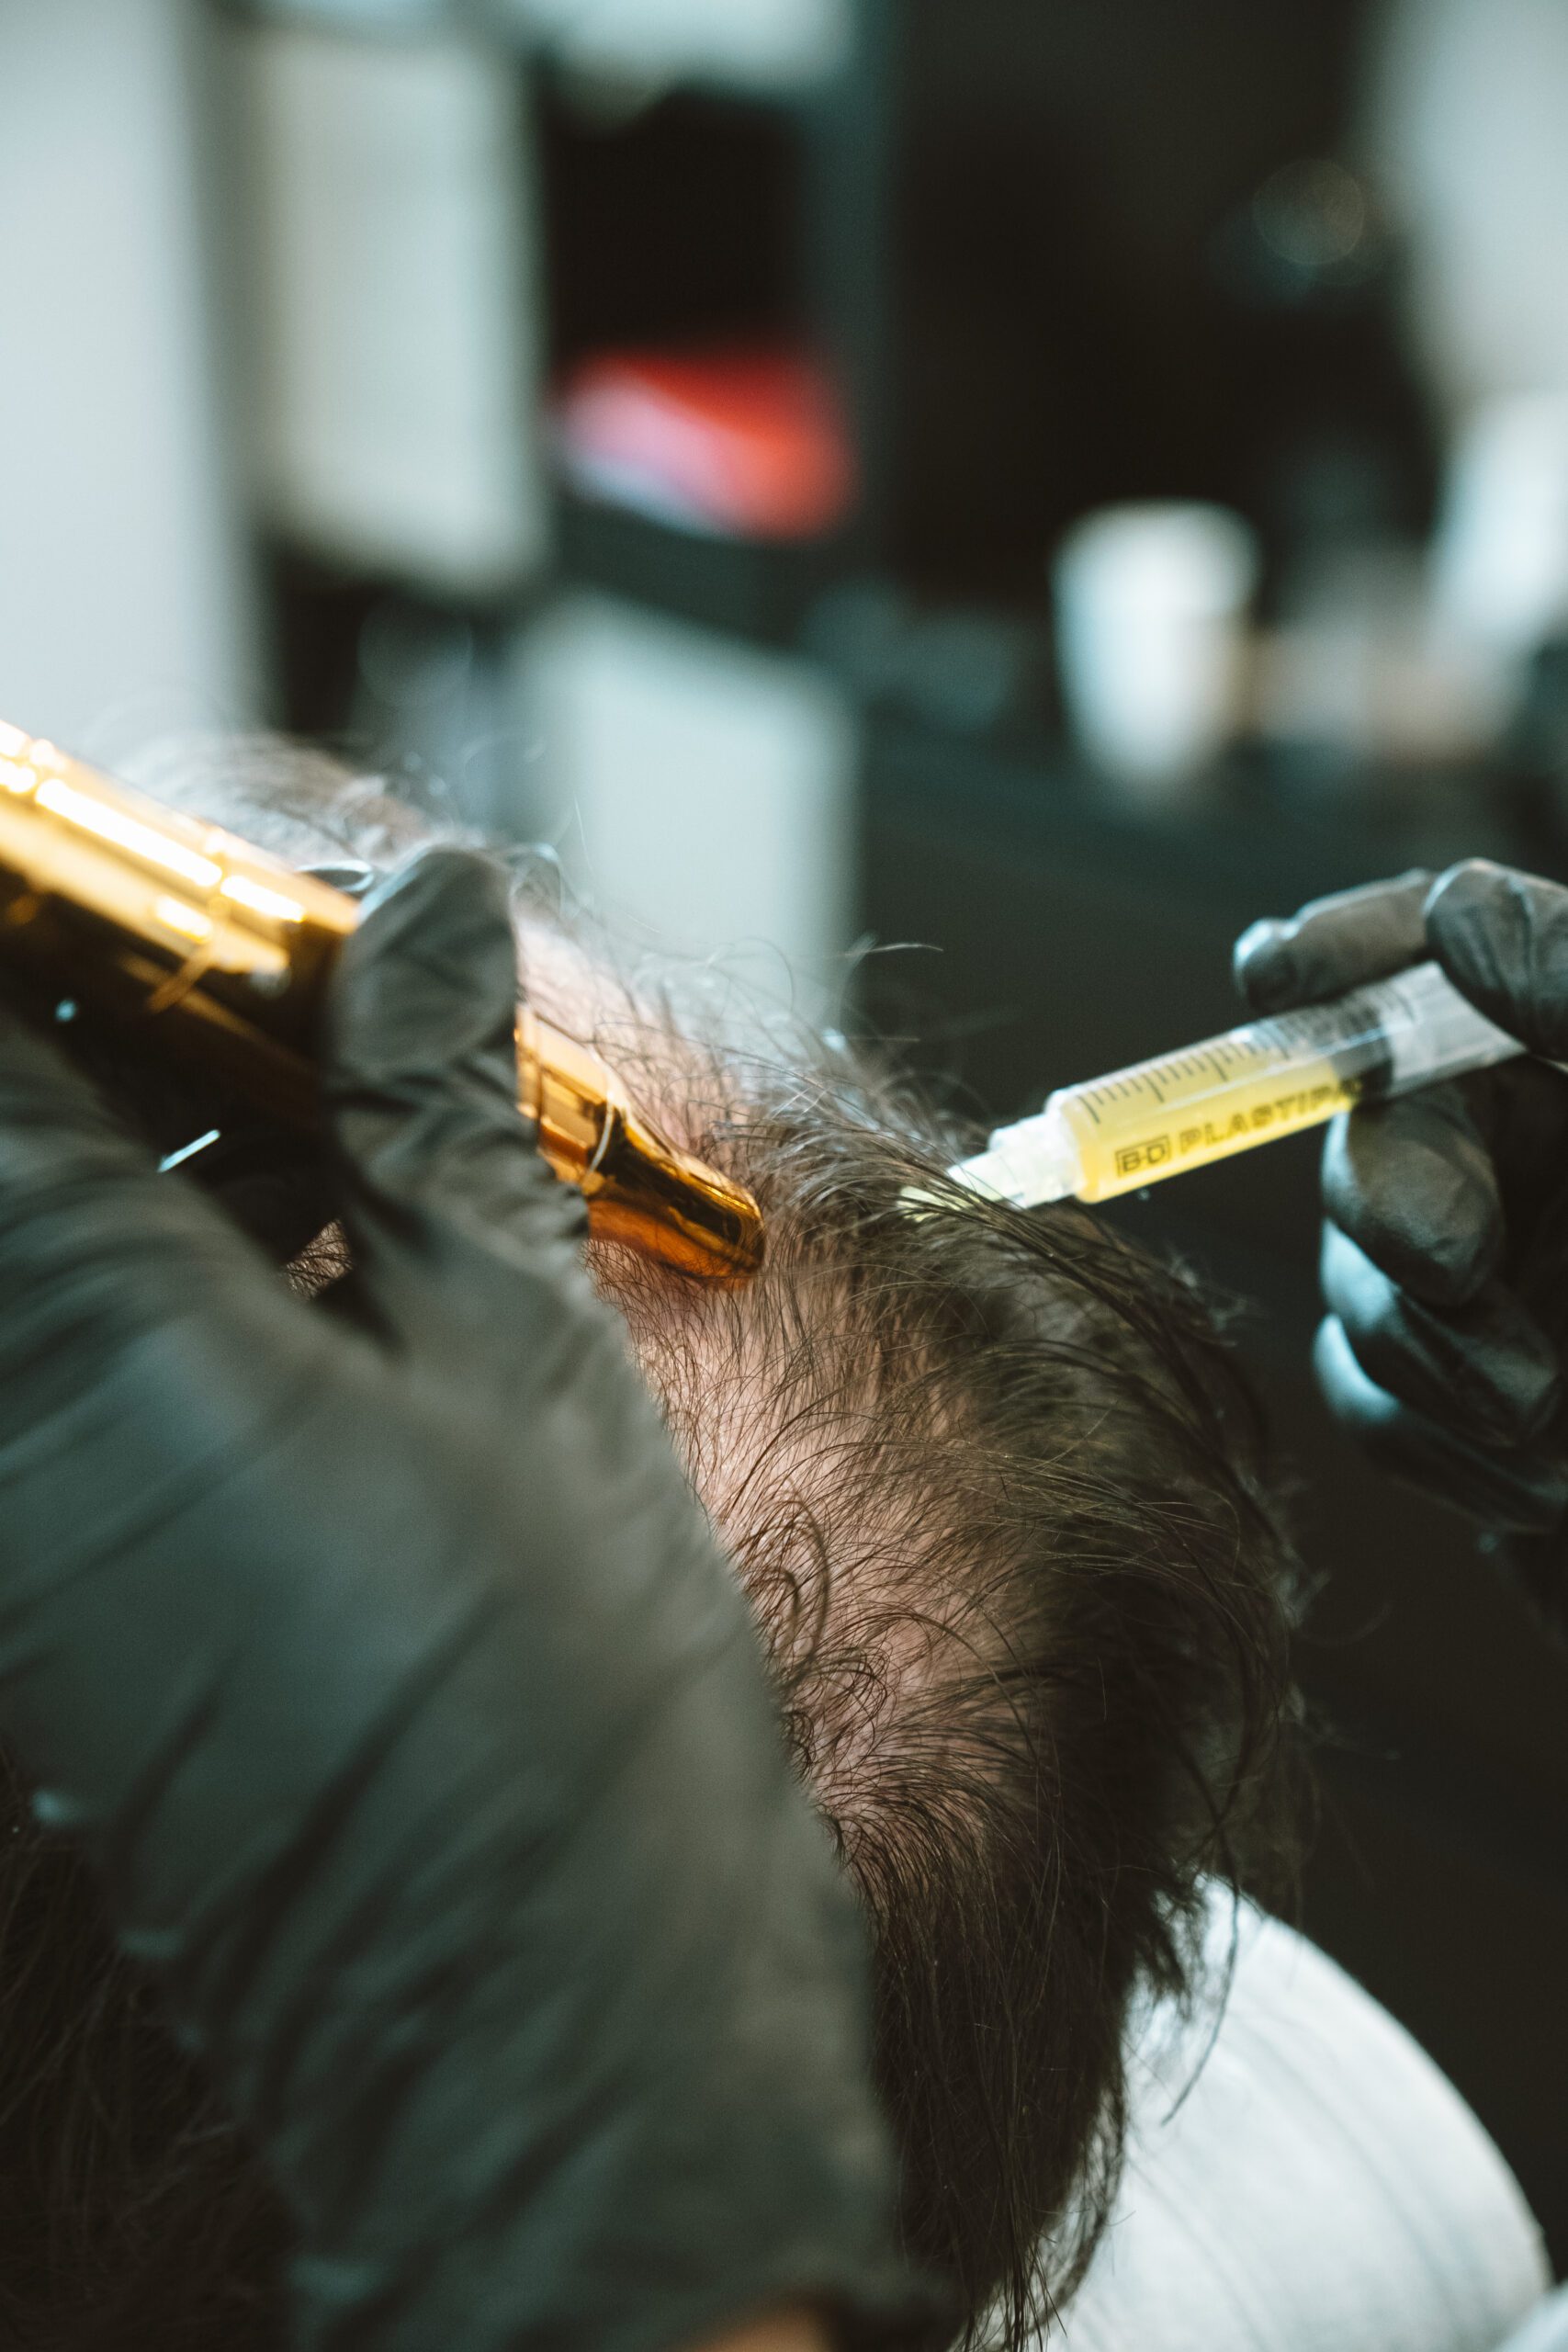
point(994, 1491)
point(993, 1486)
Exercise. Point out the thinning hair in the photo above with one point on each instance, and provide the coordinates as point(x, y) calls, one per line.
point(994, 1490)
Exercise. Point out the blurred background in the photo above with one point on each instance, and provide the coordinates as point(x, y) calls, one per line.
point(1047, 479)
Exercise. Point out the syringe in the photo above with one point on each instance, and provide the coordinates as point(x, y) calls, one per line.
point(1264, 1080)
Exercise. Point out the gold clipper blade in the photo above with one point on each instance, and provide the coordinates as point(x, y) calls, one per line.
point(152, 916)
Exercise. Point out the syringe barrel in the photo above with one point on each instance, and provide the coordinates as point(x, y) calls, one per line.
point(1431, 1032)
point(1387, 1038)
point(1250, 1086)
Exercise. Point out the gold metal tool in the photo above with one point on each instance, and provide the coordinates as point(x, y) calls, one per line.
point(148, 915)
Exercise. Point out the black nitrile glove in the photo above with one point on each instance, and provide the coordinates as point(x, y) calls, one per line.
point(384, 1663)
point(273, 1180)
point(1445, 1259)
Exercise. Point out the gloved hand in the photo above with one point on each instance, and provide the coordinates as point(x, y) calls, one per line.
point(272, 1180)
point(387, 1669)
point(1445, 1257)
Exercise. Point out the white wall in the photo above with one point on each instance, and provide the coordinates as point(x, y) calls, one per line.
point(761, 44)
point(700, 789)
point(392, 326)
point(121, 605)
point(1467, 116)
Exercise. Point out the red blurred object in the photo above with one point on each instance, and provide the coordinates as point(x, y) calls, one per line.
point(747, 441)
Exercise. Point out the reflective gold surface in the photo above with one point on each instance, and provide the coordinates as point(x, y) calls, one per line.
point(149, 914)
point(640, 1188)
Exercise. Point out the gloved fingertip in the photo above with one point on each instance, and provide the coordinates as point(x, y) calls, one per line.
point(1332, 943)
point(438, 892)
point(1263, 968)
point(1468, 909)
point(1502, 937)
point(429, 975)
point(1468, 881)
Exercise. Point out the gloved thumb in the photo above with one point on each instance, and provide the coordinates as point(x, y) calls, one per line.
point(1502, 937)
point(444, 1200)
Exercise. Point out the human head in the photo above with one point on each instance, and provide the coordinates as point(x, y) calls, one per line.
point(989, 1483)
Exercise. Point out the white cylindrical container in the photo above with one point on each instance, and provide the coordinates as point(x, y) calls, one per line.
point(1151, 611)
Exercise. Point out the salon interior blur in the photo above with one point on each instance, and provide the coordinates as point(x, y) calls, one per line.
point(955, 506)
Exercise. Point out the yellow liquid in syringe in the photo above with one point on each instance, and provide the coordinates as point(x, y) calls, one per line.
point(1255, 1083)
point(1164, 1118)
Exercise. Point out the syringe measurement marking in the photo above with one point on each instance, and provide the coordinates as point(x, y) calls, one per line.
point(1268, 1077)
point(1230, 1062)
point(1152, 1084)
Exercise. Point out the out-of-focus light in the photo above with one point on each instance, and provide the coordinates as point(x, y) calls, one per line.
point(186, 922)
point(1315, 215)
point(1501, 560)
point(260, 900)
point(1151, 608)
point(745, 440)
point(111, 825)
point(766, 44)
point(188, 1150)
